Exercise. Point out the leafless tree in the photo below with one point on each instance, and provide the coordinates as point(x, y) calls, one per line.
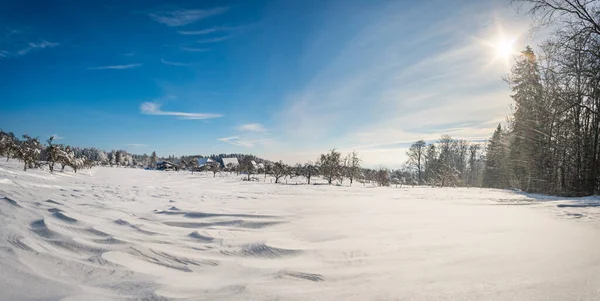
point(416, 158)
point(308, 171)
point(279, 171)
point(214, 167)
point(247, 165)
point(330, 166)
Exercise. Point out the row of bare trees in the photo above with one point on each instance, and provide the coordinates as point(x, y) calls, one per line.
point(445, 162)
point(331, 166)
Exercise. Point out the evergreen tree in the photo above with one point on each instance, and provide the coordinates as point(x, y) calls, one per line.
point(495, 173)
point(528, 149)
point(153, 160)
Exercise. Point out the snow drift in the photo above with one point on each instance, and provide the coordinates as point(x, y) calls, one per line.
point(128, 234)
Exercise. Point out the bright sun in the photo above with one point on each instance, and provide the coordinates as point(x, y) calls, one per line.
point(505, 48)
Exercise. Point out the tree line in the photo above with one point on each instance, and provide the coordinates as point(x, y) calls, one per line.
point(445, 162)
point(334, 168)
point(32, 152)
point(331, 166)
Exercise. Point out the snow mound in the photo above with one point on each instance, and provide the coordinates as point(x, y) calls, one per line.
point(98, 235)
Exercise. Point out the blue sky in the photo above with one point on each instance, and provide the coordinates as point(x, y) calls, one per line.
point(280, 79)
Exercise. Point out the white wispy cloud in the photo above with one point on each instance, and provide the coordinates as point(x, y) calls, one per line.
point(181, 17)
point(57, 137)
point(115, 67)
point(251, 127)
point(173, 63)
point(15, 43)
point(214, 40)
point(137, 145)
point(206, 31)
point(33, 46)
point(237, 141)
point(449, 88)
point(192, 49)
point(151, 108)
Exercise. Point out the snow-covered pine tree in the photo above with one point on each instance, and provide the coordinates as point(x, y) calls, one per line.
point(496, 173)
point(153, 160)
point(528, 148)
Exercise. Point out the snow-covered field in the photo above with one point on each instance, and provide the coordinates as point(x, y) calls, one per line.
point(126, 234)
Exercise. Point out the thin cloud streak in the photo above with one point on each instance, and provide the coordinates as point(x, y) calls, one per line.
point(237, 141)
point(116, 67)
point(206, 31)
point(151, 108)
point(15, 43)
point(137, 145)
point(173, 63)
point(32, 46)
point(191, 49)
point(182, 17)
point(214, 40)
point(251, 127)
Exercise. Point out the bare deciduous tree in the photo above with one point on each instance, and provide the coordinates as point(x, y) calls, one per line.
point(308, 171)
point(352, 166)
point(416, 158)
point(279, 171)
point(247, 165)
point(330, 166)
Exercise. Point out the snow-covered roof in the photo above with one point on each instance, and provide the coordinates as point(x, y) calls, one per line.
point(204, 161)
point(232, 161)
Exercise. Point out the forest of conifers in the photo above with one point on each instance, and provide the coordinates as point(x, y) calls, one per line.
point(551, 141)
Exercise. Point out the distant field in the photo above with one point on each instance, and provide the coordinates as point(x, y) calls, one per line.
point(130, 234)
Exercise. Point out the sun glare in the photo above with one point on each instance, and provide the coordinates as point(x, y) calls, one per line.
point(505, 48)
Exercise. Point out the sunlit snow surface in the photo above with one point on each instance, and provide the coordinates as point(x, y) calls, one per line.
point(128, 234)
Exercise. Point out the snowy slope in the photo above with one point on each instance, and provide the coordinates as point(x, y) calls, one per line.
point(127, 234)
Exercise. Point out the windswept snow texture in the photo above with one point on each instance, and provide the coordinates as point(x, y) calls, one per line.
point(128, 234)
